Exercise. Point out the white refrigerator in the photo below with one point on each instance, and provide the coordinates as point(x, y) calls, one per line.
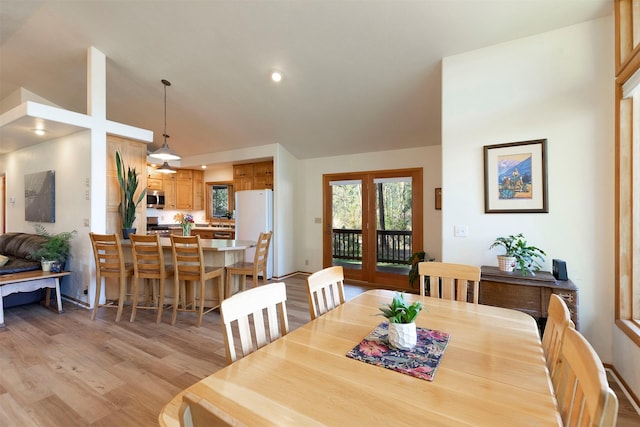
point(254, 214)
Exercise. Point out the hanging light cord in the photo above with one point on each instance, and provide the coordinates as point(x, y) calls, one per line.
point(165, 83)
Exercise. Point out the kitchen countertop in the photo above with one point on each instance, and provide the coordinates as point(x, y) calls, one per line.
point(216, 245)
point(201, 227)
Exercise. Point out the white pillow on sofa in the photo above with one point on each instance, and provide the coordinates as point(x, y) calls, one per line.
point(3, 260)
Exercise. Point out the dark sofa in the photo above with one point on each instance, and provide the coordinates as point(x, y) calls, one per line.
point(18, 247)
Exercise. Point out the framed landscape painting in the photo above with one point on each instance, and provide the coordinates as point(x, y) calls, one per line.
point(515, 177)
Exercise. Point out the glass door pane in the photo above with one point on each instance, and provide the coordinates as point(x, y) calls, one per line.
point(393, 224)
point(346, 229)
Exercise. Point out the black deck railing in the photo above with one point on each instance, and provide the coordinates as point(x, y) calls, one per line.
point(393, 246)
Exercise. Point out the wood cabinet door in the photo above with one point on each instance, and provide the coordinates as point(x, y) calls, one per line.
point(169, 187)
point(184, 194)
point(155, 184)
point(243, 171)
point(263, 182)
point(204, 234)
point(263, 168)
point(243, 184)
point(198, 190)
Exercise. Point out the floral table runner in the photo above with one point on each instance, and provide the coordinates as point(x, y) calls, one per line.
point(421, 361)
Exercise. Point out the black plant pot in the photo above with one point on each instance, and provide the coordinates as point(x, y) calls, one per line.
point(127, 231)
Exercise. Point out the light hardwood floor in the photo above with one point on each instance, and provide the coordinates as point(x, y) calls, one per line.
point(66, 370)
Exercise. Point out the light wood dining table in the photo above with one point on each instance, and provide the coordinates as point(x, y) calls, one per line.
point(492, 373)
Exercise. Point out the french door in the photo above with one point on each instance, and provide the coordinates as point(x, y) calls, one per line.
point(372, 223)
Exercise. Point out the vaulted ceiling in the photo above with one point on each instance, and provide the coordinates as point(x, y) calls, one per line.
point(359, 76)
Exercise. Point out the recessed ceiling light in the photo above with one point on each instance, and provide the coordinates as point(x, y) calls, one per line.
point(39, 132)
point(276, 76)
point(203, 166)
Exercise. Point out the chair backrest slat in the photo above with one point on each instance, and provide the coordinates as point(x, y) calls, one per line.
point(558, 319)
point(148, 259)
point(187, 257)
point(107, 252)
point(325, 290)
point(262, 248)
point(453, 278)
point(580, 384)
point(252, 303)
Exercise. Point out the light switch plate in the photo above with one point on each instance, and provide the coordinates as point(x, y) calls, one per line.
point(460, 231)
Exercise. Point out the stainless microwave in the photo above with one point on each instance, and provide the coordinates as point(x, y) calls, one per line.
point(155, 199)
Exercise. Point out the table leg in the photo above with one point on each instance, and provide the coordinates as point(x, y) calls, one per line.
point(1, 312)
point(58, 298)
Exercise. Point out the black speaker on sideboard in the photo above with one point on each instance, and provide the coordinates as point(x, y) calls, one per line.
point(560, 269)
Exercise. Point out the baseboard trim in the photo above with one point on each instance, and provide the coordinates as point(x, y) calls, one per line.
point(74, 301)
point(625, 387)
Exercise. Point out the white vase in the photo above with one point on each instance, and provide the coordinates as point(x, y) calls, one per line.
point(506, 263)
point(46, 265)
point(402, 335)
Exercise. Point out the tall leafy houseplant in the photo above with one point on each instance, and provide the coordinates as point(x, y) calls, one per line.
point(128, 182)
point(527, 257)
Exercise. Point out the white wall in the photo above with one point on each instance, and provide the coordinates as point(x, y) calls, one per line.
point(285, 213)
point(308, 196)
point(558, 86)
point(67, 157)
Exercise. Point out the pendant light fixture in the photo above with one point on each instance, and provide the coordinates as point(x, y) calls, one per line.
point(165, 153)
point(165, 168)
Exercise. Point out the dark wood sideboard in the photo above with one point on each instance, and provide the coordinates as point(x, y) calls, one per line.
point(529, 294)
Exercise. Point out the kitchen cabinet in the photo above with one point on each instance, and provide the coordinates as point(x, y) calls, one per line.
point(198, 190)
point(253, 176)
point(213, 233)
point(204, 234)
point(169, 187)
point(154, 180)
point(184, 189)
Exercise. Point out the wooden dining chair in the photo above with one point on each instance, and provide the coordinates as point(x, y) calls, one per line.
point(253, 303)
point(107, 253)
point(189, 266)
point(149, 265)
point(453, 278)
point(325, 290)
point(198, 412)
point(580, 385)
point(558, 319)
point(259, 265)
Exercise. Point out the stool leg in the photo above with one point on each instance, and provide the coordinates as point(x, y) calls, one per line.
point(201, 303)
point(176, 299)
point(97, 299)
point(123, 292)
point(160, 299)
point(227, 291)
point(136, 284)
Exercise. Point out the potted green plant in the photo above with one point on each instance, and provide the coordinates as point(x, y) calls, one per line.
point(128, 182)
point(518, 253)
point(415, 259)
point(55, 250)
point(401, 316)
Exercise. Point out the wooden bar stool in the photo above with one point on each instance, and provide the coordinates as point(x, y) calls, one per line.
point(188, 264)
point(259, 265)
point(107, 252)
point(148, 263)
